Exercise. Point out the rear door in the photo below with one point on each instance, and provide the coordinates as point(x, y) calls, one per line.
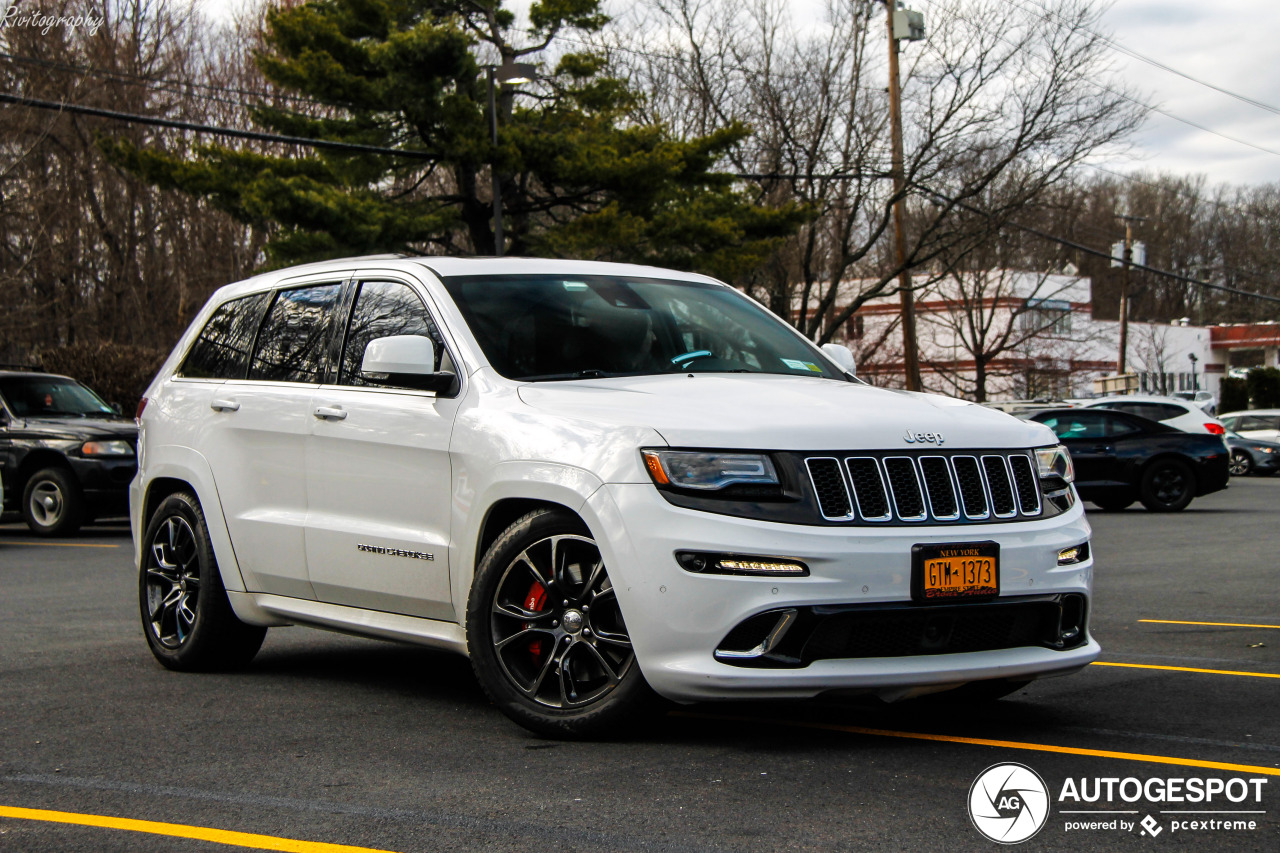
point(378, 473)
point(1090, 437)
point(257, 433)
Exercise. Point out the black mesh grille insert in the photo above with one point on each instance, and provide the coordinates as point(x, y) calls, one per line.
point(971, 491)
point(929, 631)
point(937, 482)
point(749, 634)
point(905, 487)
point(1025, 481)
point(833, 498)
point(868, 488)
point(998, 480)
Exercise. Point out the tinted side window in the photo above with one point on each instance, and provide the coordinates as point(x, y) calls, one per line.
point(1081, 424)
point(1165, 411)
point(222, 350)
point(291, 344)
point(383, 309)
point(1253, 422)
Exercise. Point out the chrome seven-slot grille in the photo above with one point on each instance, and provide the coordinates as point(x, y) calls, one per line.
point(951, 487)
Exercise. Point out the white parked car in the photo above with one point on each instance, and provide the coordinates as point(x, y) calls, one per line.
point(1179, 414)
point(1205, 400)
point(1263, 424)
point(600, 482)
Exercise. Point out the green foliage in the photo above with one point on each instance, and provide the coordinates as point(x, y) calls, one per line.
point(1233, 395)
point(577, 179)
point(1264, 388)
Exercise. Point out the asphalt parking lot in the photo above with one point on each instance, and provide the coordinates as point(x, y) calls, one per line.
point(331, 743)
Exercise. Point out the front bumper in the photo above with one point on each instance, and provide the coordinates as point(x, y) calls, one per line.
point(105, 482)
point(677, 619)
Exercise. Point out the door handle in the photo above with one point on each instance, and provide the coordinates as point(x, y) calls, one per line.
point(224, 406)
point(330, 413)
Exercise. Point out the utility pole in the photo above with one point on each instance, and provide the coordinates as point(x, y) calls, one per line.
point(908, 25)
point(1126, 261)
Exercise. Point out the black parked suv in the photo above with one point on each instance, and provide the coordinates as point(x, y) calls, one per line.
point(66, 457)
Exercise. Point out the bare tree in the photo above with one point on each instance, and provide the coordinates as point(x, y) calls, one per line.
point(1000, 105)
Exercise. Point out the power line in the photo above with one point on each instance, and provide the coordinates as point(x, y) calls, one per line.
point(424, 155)
point(1144, 105)
point(348, 147)
point(158, 81)
point(1088, 250)
point(1142, 57)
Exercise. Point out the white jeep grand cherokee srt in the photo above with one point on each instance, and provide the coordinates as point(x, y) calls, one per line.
point(599, 482)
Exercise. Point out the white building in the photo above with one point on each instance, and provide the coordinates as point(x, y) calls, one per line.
point(1024, 335)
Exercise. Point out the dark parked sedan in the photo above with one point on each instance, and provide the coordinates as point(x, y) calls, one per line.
point(66, 456)
point(1252, 455)
point(1121, 458)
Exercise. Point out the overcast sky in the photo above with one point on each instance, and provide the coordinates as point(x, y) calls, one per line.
point(1231, 45)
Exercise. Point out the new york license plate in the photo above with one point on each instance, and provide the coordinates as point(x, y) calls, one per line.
point(955, 572)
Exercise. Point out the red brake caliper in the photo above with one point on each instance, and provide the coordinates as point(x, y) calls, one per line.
point(535, 599)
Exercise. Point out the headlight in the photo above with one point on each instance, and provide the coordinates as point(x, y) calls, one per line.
point(1055, 462)
point(106, 448)
point(708, 471)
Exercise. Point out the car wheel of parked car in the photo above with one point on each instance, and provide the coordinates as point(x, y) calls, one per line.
point(52, 504)
point(545, 633)
point(1167, 486)
point(1114, 504)
point(1241, 463)
point(188, 621)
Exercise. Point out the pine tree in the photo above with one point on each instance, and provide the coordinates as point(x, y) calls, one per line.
point(577, 177)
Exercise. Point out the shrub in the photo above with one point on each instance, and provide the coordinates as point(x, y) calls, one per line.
point(1264, 388)
point(1233, 395)
point(119, 373)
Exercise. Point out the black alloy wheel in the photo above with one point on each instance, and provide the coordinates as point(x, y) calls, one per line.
point(186, 616)
point(1241, 463)
point(1167, 486)
point(546, 634)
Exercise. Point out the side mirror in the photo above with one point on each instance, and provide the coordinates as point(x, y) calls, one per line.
point(115, 407)
point(405, 360)
point(842, 356)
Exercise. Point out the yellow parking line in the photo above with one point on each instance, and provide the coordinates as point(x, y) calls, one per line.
point(1006, 744)
point(1187, 669)
point(177, 830)
point(1213, 624)
point(59, 544)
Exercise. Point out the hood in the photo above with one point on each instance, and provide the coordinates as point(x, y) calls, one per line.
point(78, 428)
point(769, 412)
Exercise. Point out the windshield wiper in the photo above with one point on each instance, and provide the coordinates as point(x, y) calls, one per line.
point(589, 373)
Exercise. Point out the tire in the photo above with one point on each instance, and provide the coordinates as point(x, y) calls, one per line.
point(1241, 463)
point(549, 646)
point(1167, 486)
point(188, 622)
point(1114, 504)
point(52, 503)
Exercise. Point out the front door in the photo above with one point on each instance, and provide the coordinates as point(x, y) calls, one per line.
point(378, 473)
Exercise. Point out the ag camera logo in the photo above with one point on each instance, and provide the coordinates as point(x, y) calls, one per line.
point(1008, 803)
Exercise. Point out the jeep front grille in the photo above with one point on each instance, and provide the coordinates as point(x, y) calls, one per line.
point(939, 487)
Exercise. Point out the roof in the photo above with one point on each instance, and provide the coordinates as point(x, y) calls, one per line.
point(1268, 412)
point(445, 267)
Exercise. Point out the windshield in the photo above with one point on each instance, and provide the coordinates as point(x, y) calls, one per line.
point(50, 397)
point(551, 327)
